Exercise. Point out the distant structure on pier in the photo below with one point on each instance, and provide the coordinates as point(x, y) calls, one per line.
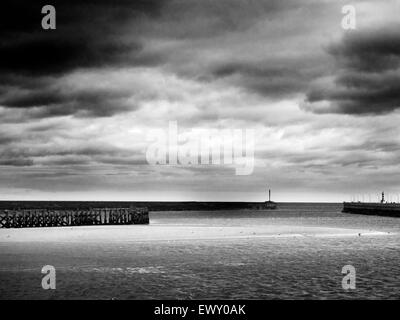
point(270, 204)
point(267, 205)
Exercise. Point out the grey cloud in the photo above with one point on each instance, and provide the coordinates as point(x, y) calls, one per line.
point(268, 80)
point(193, 19)
point(16, 153)
point(367, 78)
point(16, 162)
point(53, 100)
point(6, 139)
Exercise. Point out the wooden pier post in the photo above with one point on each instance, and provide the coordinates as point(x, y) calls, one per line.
point(25, 218)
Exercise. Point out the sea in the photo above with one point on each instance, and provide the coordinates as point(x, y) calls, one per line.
point(235, 267)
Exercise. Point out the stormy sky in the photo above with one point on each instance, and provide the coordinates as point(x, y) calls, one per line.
point(76, 102)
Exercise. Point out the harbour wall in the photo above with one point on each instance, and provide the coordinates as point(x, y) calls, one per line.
point(151, 205)
point(383, 209)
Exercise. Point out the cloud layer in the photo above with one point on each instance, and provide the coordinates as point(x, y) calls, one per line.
point(76, 103)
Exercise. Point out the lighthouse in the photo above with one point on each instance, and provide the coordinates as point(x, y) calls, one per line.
point(269, 204)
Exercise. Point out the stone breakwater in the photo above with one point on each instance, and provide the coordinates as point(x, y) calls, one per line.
point(150, 205)
point(381, 209)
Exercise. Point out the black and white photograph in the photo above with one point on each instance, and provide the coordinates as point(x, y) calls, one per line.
point(199, 150)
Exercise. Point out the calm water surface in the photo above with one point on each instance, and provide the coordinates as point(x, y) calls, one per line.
point(258, 268)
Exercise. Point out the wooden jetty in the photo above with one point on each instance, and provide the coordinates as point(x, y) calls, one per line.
point(33, 218)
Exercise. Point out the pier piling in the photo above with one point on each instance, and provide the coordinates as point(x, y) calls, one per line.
point(28, 218)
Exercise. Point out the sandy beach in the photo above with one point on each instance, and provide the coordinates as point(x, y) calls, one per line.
point(174, 232)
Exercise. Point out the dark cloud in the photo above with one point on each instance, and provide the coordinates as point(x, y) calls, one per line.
point(16, 162)
point(369, 50)
point(99, 34)
point(271, 79)
point(95, 33)
point(6, 139)
point(56, 101)
point(13, 153)
point(84, 149)
point(87, 34)
point(367, 78)
point(42, 54)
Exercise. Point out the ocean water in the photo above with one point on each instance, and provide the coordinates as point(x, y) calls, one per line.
point(274, 267)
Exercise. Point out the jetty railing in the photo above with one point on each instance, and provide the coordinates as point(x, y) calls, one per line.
point(34, 218)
